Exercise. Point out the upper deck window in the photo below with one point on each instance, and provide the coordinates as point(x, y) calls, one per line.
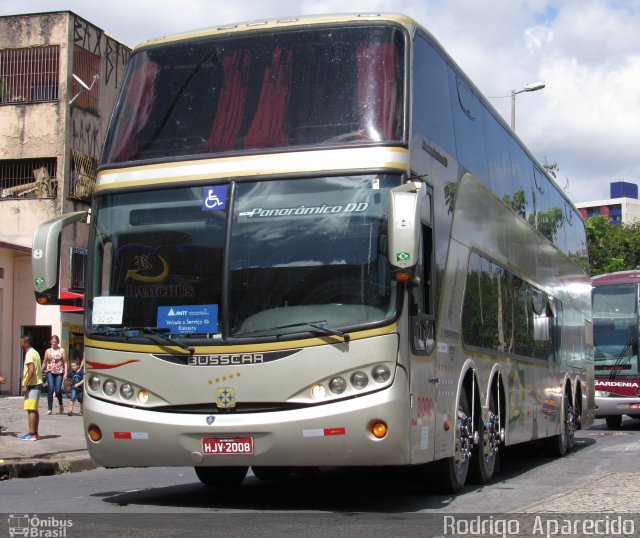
point(329, 86)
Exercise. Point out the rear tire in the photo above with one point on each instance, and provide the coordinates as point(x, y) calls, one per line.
point(613, 421)
point(485, 454)
point(221, 477)
point(560, 445)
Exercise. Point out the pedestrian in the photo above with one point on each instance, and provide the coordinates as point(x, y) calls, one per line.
point(2, 428)
point(77, 386)
point(31, 385)
point(55, 368)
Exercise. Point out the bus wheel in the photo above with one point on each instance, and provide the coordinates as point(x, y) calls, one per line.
point(220, 477)
point(485, 454)
point(272, 473)
point(613, 421)
point(451, 473)
point(559, 445)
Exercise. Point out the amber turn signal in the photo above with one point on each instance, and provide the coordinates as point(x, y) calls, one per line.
point(379, 430)
point(94, 433)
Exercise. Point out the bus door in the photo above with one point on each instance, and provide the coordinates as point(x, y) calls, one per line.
point(422, 349)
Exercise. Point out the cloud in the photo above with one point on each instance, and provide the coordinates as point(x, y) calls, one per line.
point(587, 119)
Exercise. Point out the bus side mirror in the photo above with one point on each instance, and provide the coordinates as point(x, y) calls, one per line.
point(404, 225)
point(45, 259)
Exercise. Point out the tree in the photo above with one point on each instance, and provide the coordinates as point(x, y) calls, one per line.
point(612, 247)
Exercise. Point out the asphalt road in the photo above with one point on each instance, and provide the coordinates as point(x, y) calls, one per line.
point(601, 477)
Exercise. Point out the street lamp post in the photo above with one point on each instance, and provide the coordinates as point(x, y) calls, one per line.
point(535, 86)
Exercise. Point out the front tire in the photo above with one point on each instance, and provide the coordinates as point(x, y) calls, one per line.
point(613, 421)
point(221, 477)
point(276, 474)
point(451, 473)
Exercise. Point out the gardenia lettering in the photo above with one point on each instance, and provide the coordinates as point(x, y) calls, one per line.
point(352, 207)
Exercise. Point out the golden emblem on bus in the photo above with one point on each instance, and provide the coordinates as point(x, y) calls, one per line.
point(225, 397)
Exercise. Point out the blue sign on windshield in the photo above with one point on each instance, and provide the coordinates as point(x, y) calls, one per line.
point(189, 319)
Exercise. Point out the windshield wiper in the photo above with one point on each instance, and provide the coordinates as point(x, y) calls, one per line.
point(155, 331)
point(319, 326)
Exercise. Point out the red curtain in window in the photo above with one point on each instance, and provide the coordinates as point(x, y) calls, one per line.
point(139, 101)
point(377, 89)
point(267, 126)
point(231, 102)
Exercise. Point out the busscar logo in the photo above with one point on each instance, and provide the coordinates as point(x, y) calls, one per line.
point(221, 360)
point(38, 527)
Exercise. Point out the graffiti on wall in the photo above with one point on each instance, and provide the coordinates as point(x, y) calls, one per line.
point(114, 54)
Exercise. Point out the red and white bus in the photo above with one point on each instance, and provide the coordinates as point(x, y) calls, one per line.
point(615, 328)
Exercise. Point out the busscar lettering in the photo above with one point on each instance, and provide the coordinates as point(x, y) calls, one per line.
point(226, 360)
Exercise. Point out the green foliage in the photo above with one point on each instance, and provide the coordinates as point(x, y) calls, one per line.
point(612, 247)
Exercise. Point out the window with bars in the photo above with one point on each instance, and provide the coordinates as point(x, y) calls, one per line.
point(29, 74)
point(83, 175)
point(86, 66)
point(77, 269)
point(28, 178)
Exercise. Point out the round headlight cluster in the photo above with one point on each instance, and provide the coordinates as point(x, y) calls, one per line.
point(359, 379)
point(110, 387)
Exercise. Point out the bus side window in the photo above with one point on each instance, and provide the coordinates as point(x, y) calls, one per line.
point(422, 320)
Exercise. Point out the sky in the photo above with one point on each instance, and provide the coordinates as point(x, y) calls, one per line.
point(586, 52)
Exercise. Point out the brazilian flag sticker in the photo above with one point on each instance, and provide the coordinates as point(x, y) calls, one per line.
point(403, 257)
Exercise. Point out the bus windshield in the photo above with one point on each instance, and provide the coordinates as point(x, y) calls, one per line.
point(303, 253)
point(615, 328)
point(329, 86)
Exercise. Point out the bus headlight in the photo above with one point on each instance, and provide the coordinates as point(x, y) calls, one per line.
point(381, 374)
point(359, 380)
point(338, 385)
point(602, 394)
point(318, 392)
point(126, 391)
point(94, 383)
point(109, 387)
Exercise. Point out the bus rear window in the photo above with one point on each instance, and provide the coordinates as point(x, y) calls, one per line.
point(306, 87)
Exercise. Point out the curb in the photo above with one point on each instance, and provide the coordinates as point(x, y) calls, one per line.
point(35, 468)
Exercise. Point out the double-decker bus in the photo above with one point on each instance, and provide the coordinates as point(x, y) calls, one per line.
point(313, 242)
point(615, 339)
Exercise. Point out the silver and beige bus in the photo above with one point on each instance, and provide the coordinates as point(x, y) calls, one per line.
point(313, 242)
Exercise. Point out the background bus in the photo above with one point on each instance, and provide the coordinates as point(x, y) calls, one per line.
point(314, 243)
point(615, 335)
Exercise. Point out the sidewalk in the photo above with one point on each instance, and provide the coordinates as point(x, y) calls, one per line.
point(61, 447)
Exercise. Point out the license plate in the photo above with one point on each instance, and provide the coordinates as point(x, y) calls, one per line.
point(240, 445)
point(634, 406)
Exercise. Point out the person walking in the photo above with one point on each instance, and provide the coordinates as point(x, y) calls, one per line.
point(31, 385)
point(77, 387)
point(55, 368)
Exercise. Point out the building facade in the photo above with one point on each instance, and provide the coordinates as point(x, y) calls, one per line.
point(623, 207)
point(59, 78)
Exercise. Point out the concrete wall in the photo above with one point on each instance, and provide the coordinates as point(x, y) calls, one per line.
point(48, 130)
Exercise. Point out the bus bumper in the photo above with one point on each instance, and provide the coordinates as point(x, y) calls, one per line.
point(617, 406)
point(333, 434)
